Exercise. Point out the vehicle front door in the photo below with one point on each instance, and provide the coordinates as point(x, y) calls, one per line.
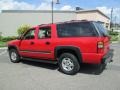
point(27, 43)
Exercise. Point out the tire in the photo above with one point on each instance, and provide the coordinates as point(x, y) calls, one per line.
point(68, 64)
point(14, 56)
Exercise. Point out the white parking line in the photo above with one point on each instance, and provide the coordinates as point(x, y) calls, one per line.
point(3, 52)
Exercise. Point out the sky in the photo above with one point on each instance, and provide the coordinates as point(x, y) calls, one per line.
point(103, 5)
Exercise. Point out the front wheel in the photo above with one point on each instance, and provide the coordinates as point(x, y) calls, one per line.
point(69, 64)
point(14, 56)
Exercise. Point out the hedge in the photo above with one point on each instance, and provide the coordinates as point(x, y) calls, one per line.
point(113, 33)
point(9, 38)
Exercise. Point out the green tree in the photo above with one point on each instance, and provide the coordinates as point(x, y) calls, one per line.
point(22, 29)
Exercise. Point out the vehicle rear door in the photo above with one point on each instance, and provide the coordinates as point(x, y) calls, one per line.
point(43, 46)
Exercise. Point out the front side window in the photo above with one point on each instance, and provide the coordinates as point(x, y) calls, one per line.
point(75, 29)
point(44, 32)
point(30, 34)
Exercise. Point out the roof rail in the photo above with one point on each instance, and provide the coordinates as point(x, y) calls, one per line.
point(84, 20)
point(41, 24)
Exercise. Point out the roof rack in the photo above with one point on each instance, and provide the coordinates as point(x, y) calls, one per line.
point(71, 21)
point(84, 20)
point(41, 24)
point(65, 22)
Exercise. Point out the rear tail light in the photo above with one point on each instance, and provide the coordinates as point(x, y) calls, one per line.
point(100, 45)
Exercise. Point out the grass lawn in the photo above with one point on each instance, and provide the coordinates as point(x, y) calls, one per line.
point(3, 44)
point(115, 38)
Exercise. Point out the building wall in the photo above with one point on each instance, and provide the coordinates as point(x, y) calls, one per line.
point(10, 21)
point(105, 20)
point(87, 16)
point(94, 16)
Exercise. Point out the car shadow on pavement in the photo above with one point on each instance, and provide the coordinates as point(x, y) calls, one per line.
point(85, 68)
point(91, 69)
point(40, 64)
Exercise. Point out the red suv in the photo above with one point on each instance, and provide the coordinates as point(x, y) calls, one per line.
point(67, 43)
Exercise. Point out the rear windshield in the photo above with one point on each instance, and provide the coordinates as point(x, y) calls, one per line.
point(101, 29)
point(75, 29)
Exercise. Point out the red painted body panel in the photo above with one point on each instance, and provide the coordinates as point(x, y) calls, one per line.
point(87, 46)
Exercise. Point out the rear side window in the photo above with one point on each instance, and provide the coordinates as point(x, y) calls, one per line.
point(101, 29)
point(76, 29)
point(44, 32)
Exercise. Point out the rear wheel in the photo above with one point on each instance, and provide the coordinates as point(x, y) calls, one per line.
point(69, 64)
point(14, 56)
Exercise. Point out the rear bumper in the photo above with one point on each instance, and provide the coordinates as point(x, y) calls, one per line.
point(108, 57)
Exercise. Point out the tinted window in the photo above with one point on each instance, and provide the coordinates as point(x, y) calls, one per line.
point(75, 29)
point(101, 29)
point(30, 34)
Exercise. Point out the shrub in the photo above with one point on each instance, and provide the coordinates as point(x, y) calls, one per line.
point(113, 33)
point(9, 38)
point(0, 36)
point(22, 29)
point(114, 38)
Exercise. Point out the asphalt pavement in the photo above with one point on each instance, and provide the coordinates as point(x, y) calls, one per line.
point(28, 75)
